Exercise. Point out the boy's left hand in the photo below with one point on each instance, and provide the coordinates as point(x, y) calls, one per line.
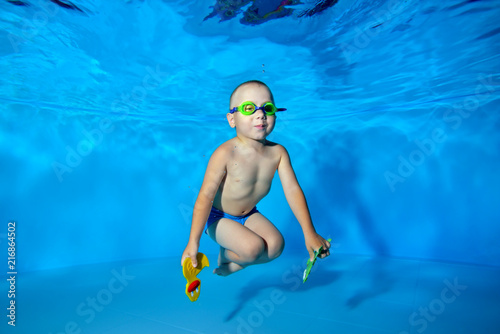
point(314, 242)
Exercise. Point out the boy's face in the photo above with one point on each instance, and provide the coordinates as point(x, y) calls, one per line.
point(258, 125)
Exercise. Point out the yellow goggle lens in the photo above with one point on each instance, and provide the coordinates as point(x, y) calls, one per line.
point(249, 109)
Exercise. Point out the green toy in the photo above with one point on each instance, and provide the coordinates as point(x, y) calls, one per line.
point(310, 263)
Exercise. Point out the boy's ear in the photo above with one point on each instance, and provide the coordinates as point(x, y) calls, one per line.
point(230, 120)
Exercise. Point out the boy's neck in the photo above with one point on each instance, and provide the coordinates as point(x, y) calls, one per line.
point(257, 145)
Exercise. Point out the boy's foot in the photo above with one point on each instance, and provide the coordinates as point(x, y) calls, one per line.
point(226, 267)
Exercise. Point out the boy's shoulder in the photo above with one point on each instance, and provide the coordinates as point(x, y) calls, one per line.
point(224, 149)
point(276, 147)
point(226, 146)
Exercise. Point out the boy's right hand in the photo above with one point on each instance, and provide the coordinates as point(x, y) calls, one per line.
point(191, 251)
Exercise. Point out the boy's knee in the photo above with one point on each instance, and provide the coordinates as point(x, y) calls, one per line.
point(254, 250)
point(276, 247)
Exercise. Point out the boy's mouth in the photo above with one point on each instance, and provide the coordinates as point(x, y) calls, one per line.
point(260, 126)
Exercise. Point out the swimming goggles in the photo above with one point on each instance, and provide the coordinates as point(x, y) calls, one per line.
point(248, 108)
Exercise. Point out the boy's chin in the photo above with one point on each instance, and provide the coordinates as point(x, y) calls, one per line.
point(254, 137)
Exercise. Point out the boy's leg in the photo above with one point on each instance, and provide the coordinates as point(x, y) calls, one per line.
point(269, 233)
point(240, 246)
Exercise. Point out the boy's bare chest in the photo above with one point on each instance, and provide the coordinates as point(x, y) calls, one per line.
point(251, 169)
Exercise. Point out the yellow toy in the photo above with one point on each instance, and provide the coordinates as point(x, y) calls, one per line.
point(190, 272)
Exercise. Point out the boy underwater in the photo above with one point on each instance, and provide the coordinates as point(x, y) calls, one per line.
point(239, 174)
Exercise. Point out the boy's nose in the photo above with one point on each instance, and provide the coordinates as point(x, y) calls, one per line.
point(260, 113)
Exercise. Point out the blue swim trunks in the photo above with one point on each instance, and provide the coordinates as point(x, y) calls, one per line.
point(216, 214)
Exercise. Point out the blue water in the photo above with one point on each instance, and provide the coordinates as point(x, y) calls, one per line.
point(109, 114)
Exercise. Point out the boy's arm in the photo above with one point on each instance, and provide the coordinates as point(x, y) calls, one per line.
point(297, 201)
point(216, 170)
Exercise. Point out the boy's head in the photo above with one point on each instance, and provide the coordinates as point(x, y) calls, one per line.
point(255, 126)
point(236, 92)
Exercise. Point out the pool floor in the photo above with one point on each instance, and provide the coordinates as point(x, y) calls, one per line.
point(344, 294)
